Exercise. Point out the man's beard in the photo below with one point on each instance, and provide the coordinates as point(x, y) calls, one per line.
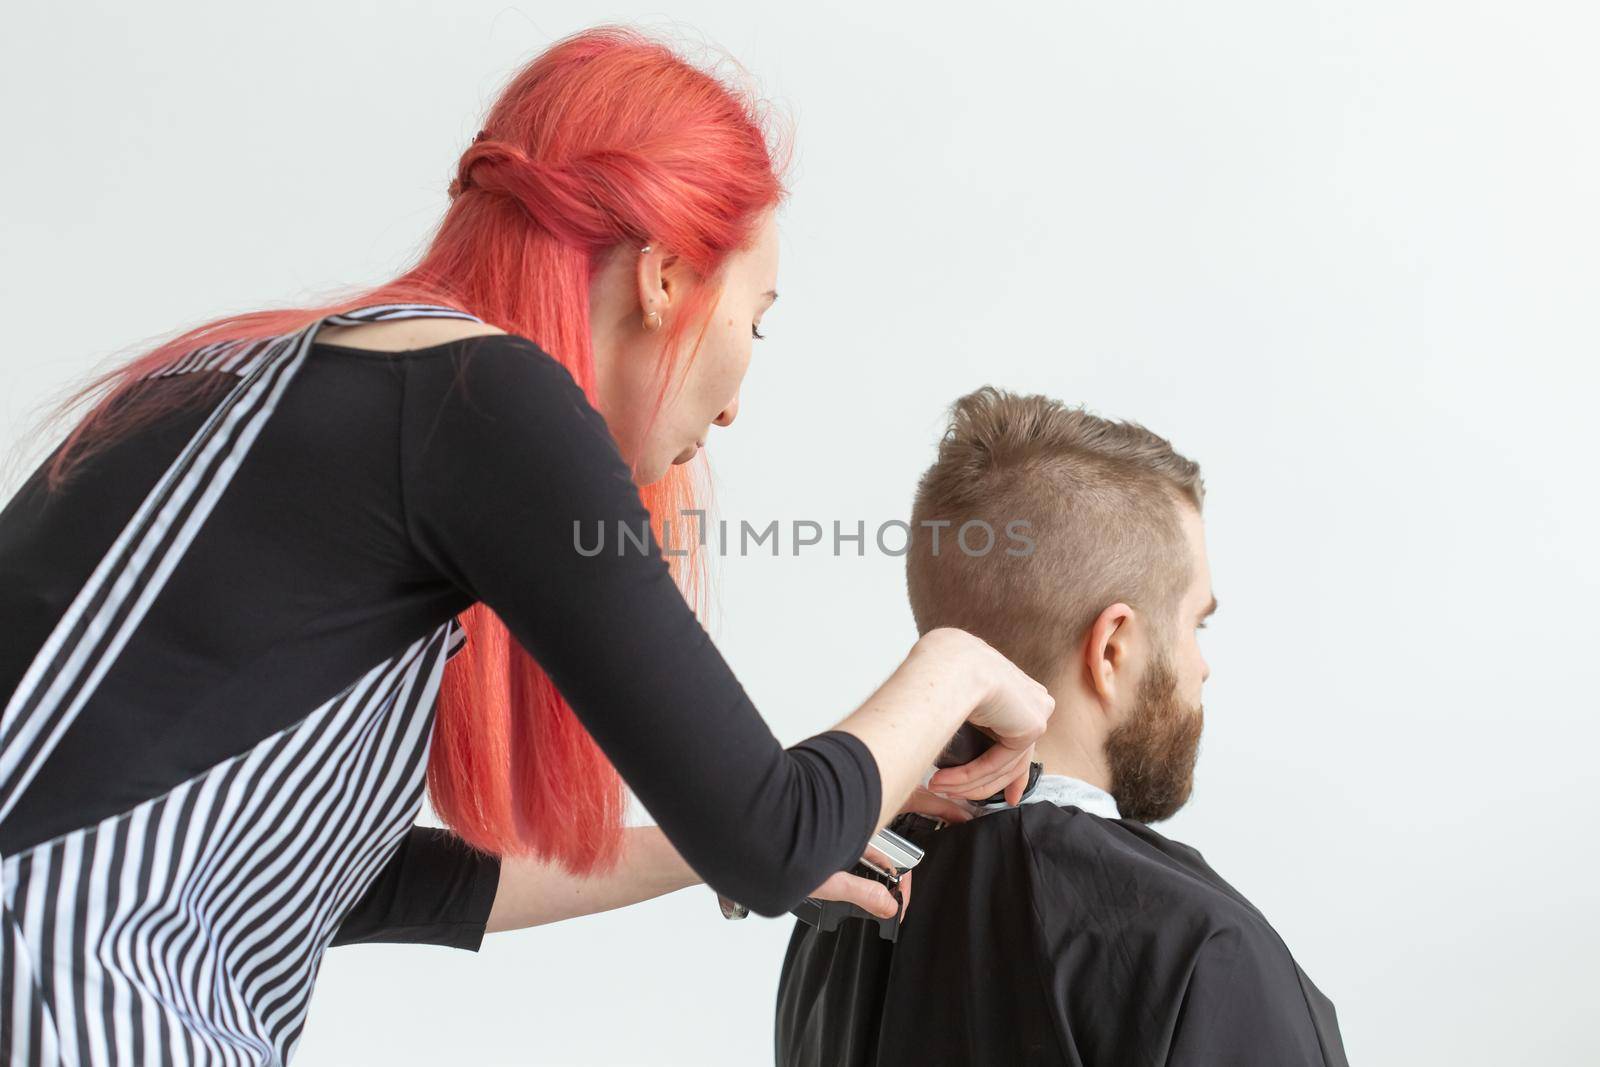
point(1152, 754)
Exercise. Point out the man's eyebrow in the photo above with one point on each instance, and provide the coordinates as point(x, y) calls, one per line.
point(1213, 607)
point(771, 295)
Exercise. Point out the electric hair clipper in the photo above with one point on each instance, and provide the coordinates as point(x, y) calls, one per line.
point(826, 915)
point(902, 855)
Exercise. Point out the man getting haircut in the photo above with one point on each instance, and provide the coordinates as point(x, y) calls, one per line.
point(1064, 930)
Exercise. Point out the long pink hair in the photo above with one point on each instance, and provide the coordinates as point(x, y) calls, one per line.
point(607, 137)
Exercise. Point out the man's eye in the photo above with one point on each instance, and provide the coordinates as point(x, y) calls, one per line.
point(1199, 626)
point(757, 334)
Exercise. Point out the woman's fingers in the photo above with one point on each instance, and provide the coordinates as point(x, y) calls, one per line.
point(1015, 772)
point(864, 893)
point(1017, 786)
point(985, 775)
point(924, 802)
point(994, 761)
point(1011, 779)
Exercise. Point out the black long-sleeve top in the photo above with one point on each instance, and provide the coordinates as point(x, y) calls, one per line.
point(385, 493)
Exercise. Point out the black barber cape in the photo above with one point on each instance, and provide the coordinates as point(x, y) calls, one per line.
point(1044, 935)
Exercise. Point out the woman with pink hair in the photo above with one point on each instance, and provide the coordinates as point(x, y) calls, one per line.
point(295, 565)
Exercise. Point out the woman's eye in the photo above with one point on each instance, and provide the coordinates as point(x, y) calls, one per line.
point(757, 334)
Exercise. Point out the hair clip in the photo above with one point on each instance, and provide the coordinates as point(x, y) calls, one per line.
point(482, 136)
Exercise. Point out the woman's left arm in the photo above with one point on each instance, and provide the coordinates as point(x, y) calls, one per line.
point(438, 890)
point(533, 891)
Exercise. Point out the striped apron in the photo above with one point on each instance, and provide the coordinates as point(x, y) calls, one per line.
point(189, 929)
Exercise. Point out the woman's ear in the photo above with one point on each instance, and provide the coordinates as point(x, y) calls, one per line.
point(647, 277)
point(660, 280)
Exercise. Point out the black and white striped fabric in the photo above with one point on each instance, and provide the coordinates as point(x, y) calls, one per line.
point(189, 929)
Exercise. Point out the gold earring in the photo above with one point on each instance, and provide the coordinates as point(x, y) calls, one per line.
point(652, 320)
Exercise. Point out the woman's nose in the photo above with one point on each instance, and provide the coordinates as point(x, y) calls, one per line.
point(729, 413)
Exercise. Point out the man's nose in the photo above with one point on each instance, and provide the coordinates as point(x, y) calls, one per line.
point(729, 413)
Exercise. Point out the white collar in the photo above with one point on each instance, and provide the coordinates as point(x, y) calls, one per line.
point(1062, 791)
point(1057, 789)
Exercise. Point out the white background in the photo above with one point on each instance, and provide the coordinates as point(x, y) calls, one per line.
point(1343, 255)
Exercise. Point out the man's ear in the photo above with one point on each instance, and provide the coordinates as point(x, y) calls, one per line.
point(1108, 654)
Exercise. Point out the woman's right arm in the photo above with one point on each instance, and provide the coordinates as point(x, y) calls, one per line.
point(503, 462)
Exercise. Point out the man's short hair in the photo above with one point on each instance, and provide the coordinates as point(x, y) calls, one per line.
point(1100, 502)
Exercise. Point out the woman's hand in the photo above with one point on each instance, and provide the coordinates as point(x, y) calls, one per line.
point(864, 893)
point(951, 677)
point(874, 896)
point(1014, 711)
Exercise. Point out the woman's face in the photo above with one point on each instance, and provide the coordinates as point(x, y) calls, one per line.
point(628, 350)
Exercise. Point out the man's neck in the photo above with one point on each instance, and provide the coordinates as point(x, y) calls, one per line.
point(1072, 747)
